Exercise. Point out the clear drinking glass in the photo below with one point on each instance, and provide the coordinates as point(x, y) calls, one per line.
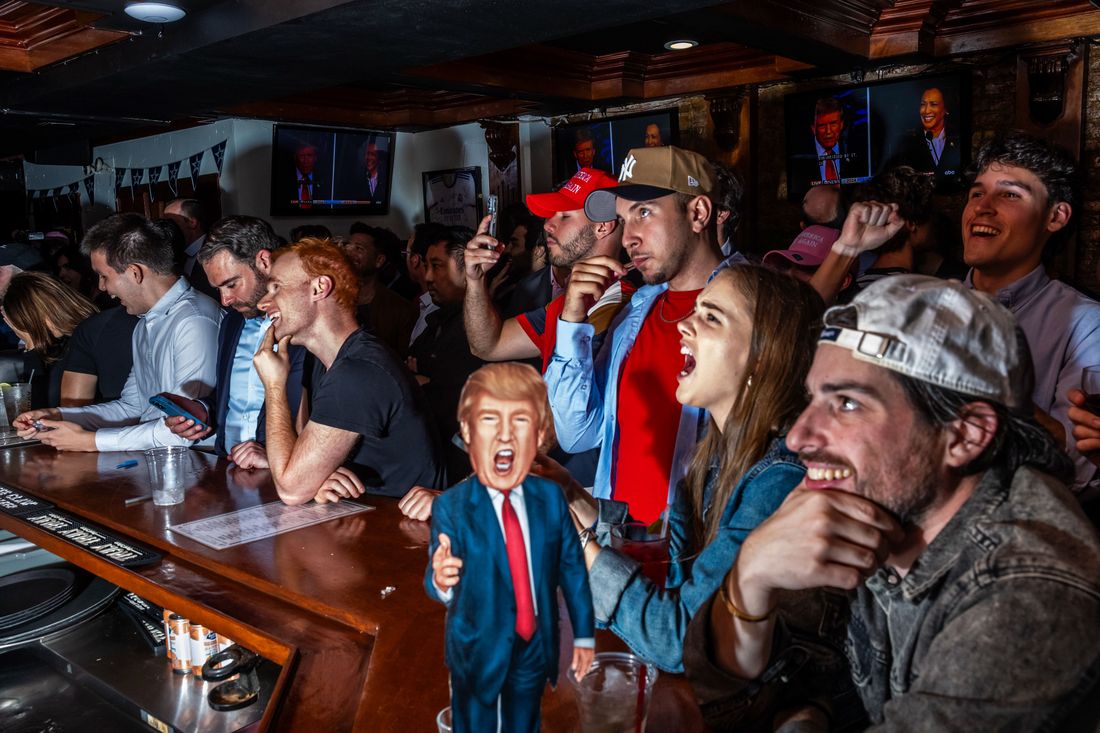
point(614, 696)
point(169, 469)
point(17, 400)
point(443, 720)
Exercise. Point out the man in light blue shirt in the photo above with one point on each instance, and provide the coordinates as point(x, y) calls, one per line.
point(174, 343)
point(1017, 213)
point(665, 203)
point(237, 259)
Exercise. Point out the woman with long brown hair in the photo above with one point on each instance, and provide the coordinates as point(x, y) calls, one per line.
point(44, 312)
point(747, 348)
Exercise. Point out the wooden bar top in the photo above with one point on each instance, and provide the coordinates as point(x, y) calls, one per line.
point(311, 599)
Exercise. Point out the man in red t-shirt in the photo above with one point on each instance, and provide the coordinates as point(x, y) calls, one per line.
point(624, 399)
point(570, 236)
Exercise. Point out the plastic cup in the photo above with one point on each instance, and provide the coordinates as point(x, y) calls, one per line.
point(634, 540)
point(614, 696)
point(168, 472)
point(443, 720)
point(17, 400)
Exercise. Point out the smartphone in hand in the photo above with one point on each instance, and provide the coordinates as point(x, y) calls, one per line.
point(170, 408)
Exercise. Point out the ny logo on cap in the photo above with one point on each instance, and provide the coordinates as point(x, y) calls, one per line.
point(628, 168)
point(692, 182)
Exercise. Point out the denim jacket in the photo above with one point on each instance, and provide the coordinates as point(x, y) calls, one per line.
point(653, 621)
point(584, 389)
point(996, 627)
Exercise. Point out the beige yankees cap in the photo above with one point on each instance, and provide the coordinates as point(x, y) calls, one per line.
point(650, 173)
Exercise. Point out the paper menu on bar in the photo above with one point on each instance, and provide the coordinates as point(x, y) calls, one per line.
point(259, 522)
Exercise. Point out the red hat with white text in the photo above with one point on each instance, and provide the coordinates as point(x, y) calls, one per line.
point(570, 196)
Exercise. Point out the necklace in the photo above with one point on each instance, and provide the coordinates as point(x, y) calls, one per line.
point(661, 311)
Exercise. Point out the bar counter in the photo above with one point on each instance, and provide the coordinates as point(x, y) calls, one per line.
point(311, 599)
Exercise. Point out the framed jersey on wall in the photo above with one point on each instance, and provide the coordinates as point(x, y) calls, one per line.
point(453, 197)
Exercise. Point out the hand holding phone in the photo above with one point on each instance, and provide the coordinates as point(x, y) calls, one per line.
point(165, 404)
point(491, 210)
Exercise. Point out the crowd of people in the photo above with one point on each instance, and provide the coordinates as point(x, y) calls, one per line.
point(877, 513)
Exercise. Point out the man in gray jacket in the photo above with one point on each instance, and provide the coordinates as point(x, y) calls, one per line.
point(936, 500)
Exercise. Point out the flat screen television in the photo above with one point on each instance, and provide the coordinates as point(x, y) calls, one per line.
point(329, 171)
point(603, 144)
point(848, 135)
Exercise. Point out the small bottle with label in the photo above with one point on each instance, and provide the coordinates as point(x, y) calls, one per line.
point(179, 641)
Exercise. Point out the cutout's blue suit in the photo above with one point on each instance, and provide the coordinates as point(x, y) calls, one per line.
point(481, 648)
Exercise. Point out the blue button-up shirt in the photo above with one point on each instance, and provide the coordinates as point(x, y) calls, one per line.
point(1062, 327)
point(175, 350)
point(584, 389)
point(246, 391)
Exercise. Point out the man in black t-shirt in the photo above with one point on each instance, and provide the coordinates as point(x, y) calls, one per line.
point(368, 426)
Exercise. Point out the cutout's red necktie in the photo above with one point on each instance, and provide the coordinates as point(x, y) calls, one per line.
point(517, 563)
point(830, 171)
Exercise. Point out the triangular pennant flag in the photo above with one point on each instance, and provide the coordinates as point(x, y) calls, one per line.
point(219, 155)
point(89, 188)
point(57, 191)
point(173, 176)
point(154, 177)
point(195, 161)
point(120, 173)
point(74, 187)
point(136, 177)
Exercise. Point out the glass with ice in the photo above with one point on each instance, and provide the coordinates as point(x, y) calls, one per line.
point(614, 696)
point(17, 400)
point(168, 472)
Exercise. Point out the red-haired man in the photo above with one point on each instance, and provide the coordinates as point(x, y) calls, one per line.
point(366, 410)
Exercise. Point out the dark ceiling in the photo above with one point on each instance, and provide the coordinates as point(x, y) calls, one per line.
point(237, 51)
point(409, 64)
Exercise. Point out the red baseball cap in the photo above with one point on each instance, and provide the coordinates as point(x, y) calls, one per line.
point(571, 196)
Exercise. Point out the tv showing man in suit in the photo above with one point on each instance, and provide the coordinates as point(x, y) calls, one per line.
point(302, 173)
point(501, 643)
point(838, 153)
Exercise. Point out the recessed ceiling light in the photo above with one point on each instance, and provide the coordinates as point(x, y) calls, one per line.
point(155, 12)
point(681, 44)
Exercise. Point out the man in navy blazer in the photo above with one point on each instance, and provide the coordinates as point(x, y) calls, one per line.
point(502, 544)
point(236, 257)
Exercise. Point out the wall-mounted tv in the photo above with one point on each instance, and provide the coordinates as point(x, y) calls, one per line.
point(603, 144)
point(845, 136)
point(326, 171)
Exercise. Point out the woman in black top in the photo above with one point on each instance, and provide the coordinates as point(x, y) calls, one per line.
point(43, 312)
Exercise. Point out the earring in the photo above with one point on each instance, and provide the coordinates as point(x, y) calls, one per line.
point(748, 382)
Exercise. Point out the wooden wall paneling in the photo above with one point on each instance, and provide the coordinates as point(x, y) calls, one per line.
point(980, 25)
point(1050, 93)
point(909, 27)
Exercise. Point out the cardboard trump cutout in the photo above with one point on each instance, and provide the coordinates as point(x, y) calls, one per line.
point(502, 544)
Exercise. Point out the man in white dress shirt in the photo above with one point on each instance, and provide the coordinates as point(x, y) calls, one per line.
point(175, 344)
